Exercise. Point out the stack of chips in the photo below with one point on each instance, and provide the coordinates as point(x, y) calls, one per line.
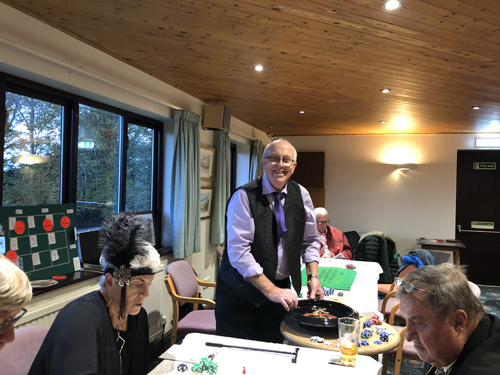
point(182, 367)
point(328, 291)
point(363, 343)
point(384, 337)
point(380, 329)
point(378, 342)
point(365, 335)
point(328, 343)
point(205, 365)
point(377, 322)
point(370, 331)
point(211, 367)
point(317, 339)
point(367, 323)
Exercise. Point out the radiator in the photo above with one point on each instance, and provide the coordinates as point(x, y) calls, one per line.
point(43, 310)
point(154, 306)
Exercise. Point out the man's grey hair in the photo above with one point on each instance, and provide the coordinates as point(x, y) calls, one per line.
point(321, 211)
point(271, 145)
point(448, 290)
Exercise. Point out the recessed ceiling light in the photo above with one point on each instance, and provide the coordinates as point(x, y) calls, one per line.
point(392, 4)
point(476, 107)
point(258, 68)
point(302, 112)
point(385, 91)
point(382, 122)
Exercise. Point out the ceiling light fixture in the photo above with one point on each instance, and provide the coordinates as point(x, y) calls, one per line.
point(258, 68)
point(476, 107)
point(392, 4)
point(385, 91)
point(382, 122)
point(302, 112)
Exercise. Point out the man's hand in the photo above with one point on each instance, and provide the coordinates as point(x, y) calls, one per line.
point(314, 289)
point(286, 297)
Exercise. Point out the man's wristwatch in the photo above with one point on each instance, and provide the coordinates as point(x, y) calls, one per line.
point(312, 275)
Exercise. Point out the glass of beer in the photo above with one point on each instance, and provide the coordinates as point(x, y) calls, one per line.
point(348, 340)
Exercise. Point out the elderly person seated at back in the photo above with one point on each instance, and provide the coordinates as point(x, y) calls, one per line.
point(15, 292)
point(334, 243)
point(106, 332)
point(447, 323)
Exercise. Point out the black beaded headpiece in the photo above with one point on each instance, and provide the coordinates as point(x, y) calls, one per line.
point(124, 240)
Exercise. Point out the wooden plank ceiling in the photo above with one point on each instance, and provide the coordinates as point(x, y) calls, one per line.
point(327, 58)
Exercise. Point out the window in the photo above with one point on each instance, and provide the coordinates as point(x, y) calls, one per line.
point(98, 166)
point(139, 168)
point(32, 151)
point(62, 148)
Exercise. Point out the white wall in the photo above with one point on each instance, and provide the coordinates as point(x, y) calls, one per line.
point(364, 193)
point(30, 49)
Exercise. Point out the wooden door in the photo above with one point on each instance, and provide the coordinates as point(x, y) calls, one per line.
point(478, 213)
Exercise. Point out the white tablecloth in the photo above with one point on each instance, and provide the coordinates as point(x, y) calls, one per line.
point(231, 361)
point(363, 296)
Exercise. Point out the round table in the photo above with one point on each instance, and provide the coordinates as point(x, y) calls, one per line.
point(301, 336)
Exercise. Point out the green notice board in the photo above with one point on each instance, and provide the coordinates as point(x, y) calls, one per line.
point(43, 238)
point(333, 277)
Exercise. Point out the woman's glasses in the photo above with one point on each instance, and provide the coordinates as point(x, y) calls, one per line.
point(409, 287)
point(14, 320)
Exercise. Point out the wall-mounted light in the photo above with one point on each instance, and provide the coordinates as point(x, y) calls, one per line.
point(404, 168)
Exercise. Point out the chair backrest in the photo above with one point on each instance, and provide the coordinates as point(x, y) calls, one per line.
point(16, 358)
point(184, 278)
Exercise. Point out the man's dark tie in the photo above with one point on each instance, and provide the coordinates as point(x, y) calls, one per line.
point(279, 213)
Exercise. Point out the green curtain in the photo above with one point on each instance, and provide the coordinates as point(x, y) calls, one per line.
point(255, 157)
point(185, 197)
point(221, 185)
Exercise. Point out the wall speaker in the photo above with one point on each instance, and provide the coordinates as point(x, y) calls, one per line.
point(216, 117)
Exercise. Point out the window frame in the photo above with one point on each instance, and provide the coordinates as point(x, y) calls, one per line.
point(69, 141)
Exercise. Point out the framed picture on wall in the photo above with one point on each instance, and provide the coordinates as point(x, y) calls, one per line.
point(205, 202)
point(207, 163)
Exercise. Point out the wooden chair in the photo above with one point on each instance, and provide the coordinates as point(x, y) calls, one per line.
point(385, 306)
point(405, 349)
point(17, 357)
point(182, 285)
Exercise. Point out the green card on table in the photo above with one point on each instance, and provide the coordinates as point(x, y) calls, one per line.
point(333, 277)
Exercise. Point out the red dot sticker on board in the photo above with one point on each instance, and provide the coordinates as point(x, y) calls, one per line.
point(48, 225)
point(65, 221)
point(19, 227)
point(11, 255)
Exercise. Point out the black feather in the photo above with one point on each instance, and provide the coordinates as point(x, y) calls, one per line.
point(122, 237)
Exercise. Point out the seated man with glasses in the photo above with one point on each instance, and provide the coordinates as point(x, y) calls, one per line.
point(334, 243)
point(15, 292)
point(447, 324)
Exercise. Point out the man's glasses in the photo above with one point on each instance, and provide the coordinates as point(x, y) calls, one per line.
point(409, 287)
point(14, 320)
point(323, 222)
point(276, 159)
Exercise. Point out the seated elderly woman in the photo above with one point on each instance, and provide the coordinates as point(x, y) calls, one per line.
point(15, 292)
point(106, 331)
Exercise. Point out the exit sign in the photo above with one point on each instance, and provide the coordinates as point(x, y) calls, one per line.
point(484, 165)
point(85, 144)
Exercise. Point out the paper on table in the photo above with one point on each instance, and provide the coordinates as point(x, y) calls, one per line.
point(333, 277)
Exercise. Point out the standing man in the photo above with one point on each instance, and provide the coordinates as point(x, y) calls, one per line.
point(270, 225)
point(334, 243)
point(447, 323)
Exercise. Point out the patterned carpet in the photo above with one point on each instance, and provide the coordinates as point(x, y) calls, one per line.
point(490, 298)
